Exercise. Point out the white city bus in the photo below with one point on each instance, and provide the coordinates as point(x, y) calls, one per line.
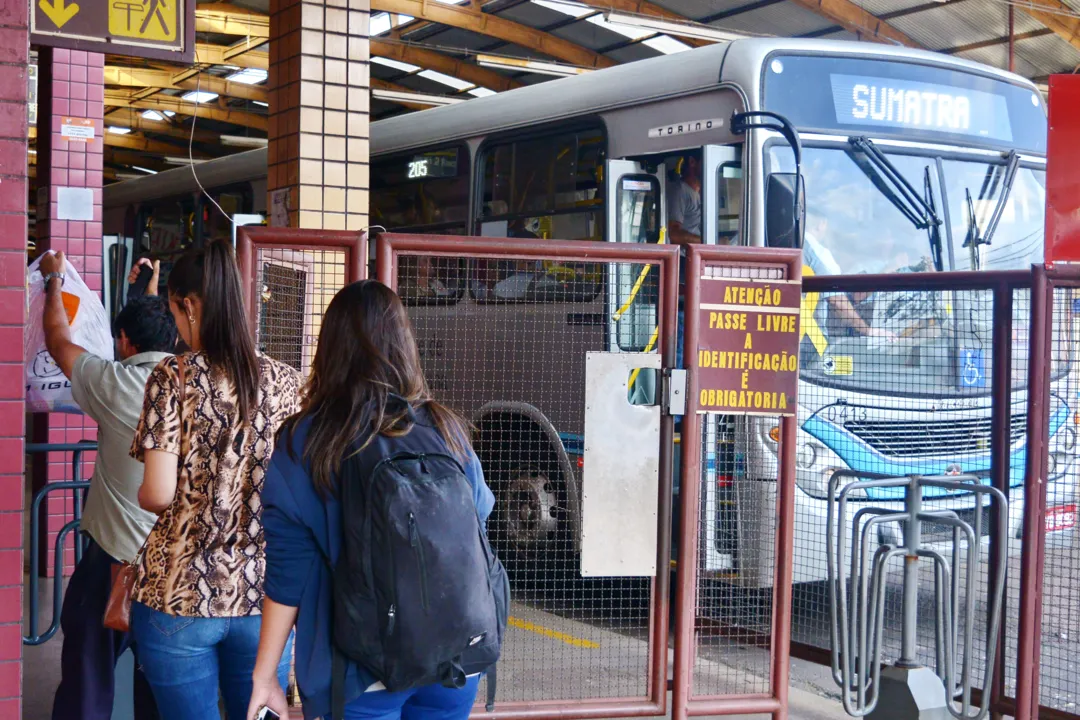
point(895, 142)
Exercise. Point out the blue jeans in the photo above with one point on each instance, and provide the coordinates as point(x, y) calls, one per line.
point(431, 702)
point(186, 660)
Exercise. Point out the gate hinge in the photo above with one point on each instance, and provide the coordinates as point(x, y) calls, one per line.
point(674, 394)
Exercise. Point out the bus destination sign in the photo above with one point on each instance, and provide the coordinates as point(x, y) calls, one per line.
point(748, 346)
point(890, 102)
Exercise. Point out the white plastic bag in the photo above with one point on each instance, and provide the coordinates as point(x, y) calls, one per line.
point(47, 390)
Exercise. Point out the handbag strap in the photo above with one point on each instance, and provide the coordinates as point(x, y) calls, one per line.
point(181, 382)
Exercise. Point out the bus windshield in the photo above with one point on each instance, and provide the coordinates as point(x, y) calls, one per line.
point(918, 343)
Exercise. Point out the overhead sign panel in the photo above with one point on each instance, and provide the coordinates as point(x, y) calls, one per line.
point(160, 29)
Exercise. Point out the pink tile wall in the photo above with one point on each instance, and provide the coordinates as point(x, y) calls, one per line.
point(70, 85)
point(13, 58)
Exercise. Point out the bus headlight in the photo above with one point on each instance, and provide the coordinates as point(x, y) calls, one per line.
point(814, 467)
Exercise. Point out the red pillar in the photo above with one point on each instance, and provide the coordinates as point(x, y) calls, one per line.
point(13, 162)
point(71, 84)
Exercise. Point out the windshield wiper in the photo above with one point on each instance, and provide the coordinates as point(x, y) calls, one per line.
point(975, 237)
point(920, 210)
point(934, 229)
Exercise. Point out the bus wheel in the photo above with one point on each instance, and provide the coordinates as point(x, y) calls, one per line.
point(529, 507)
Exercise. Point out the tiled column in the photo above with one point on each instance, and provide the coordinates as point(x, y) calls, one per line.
point(319, 100)
point(14, 50)
point(71, 84)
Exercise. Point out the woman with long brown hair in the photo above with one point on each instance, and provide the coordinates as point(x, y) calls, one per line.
point(366, 389)
point(205, 437)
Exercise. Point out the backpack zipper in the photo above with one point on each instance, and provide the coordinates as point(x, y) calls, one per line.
point(418, 548)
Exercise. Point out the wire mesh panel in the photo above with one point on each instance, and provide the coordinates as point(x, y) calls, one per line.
point(290, 276)
point(895, 383)
point(736, 488)
point(1059, 642)
point(503, 337)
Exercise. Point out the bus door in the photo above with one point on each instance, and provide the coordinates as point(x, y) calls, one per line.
point(721, 195)
point(721, 224)
point(635, 214)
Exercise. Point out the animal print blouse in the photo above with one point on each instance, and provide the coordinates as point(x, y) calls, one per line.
point(205, 556)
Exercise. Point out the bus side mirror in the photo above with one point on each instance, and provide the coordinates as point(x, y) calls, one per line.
point(785, 213)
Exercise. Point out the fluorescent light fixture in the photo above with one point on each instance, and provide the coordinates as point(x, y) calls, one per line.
point(481, 92)
point(627, 31)
point(395, 64)
point(117, 130)
point(145, 170)
point(260, 103)
point(182, 161)
point(153, 115)
point(248, 76)
point(571, 9)
point(128, 176)
point(535, 66)
point(414, 98)
point(439, 77)
point(241, 141)
point(198, 96)
point(168, 113)
point(699, 32)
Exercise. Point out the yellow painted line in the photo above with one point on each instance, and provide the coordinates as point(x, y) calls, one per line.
point(553, 634)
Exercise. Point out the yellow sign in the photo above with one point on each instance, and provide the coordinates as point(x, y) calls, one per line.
point(153, 20)
point(838, 364)
point(58, 12)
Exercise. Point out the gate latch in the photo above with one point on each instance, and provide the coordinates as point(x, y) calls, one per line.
point(674, 391)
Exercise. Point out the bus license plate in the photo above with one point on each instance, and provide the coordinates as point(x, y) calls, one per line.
point(1062, 517)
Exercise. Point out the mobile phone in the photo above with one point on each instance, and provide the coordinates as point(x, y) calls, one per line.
point(266, 713)
point(138, 288)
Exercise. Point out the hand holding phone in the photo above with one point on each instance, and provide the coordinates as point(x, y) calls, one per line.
point(266, 713)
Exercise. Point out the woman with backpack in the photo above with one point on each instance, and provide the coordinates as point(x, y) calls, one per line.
point(374, 506)
point(205, 436)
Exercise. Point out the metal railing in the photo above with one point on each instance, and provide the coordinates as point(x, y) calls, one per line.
point(77, 487)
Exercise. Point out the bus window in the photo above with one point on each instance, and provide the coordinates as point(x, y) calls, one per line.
point(729, 188)
point(427, 193)
point(543, 188)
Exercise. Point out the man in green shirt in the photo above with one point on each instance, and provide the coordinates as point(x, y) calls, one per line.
point(111, 393)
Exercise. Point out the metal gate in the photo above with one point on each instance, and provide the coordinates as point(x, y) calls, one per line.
point(545, 346)
point(717, 619)
point(288, 278)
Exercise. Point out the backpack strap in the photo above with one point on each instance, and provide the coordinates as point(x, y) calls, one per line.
point(492, 685)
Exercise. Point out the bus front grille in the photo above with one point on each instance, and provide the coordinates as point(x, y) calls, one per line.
point(904, 438)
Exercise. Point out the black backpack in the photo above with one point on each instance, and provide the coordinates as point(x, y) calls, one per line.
point(419, 596)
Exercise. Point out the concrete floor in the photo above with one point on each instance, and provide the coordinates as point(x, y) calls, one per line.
point(542, 650)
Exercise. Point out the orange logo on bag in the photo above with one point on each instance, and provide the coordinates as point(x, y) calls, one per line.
point(71, 306)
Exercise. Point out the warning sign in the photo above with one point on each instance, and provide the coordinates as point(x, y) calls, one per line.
point(149, 20)
point(747, 358)
point(143, 28)
point(75, 129)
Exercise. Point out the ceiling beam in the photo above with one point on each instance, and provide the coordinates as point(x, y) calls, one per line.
point(185, 107)
point(474, 20)
point(1056, 16)
point(224, 19)
point(431, 60)
point(135, 141)
point(131, 118)
point(240, 54)
point(1041, 32)
point(144, 79)
point(855, 19)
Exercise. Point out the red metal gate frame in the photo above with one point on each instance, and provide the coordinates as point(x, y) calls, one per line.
point(251, 238)
point(391, 246)
point(684, 704)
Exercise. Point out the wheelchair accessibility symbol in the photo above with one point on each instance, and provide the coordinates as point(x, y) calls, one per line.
point(972, 368)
